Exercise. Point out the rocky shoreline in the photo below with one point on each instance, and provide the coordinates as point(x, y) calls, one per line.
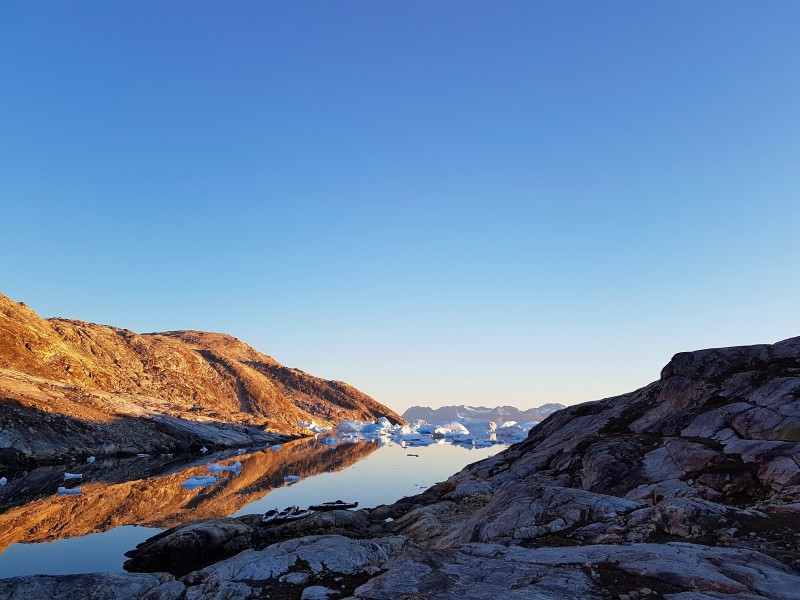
point(687, 489)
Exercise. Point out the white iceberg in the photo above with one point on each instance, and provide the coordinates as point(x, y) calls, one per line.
point(426, 428)
point(203, 449)
point(314, 426)
point(235, 468)
point(240, 451)
point(91, 459)
point(450, 430)
point(350, 426)
point(514, 429)
point(3, 481)
point(62, 491)
point(199, 481)
point(73, 475)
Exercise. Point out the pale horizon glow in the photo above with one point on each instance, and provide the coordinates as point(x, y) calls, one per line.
point(453, 202)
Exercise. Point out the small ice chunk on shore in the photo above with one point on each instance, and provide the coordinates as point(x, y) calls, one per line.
point(62, 491)
point(199, 481)
point(291, 478)
point(240, 451)
point(276, 447)
point(73, 475)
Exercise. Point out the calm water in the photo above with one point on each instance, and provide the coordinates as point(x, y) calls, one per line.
point(124, 502)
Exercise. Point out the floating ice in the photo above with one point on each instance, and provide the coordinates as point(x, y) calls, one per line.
point(350, 426)
point(235, 467)
point(203, 449)
point(450, 430)
point(90, 460)
point(73, 475)
point(142, 455)
point(240, 451)
point(276, 447)
point(314, 426)
point(62, 491)
point(291, 479)
point(3, 481)
point(199, 481)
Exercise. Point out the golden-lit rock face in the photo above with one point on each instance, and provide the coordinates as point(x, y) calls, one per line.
point(158, 501)
point(97, 372)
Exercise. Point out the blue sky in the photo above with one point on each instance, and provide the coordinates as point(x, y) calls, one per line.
point(438, 202)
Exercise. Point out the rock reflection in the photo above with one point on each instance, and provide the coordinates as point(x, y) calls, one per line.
point(148, 491)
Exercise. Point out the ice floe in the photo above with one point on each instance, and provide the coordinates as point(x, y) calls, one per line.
point(472, 430)
point(291, 479)
point(199, 481)
point(63, 491)
point(91, 459)
point(3, 481)
point(73, 475)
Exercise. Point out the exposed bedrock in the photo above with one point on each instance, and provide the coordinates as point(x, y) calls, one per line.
point(687, 489)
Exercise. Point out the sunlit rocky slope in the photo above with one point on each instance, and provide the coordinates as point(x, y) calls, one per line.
point(71, 387)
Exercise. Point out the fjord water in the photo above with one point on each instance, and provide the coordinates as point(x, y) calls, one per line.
point(126, 501)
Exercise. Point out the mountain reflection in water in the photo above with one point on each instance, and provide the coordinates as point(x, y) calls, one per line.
point(147, 491)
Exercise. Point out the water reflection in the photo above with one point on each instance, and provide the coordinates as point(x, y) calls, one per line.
point(147, 491)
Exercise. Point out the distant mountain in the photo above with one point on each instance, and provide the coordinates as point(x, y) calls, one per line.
point(498, 414)
point(69, 387)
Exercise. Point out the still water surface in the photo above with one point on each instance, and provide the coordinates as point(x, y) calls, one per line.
point(126, 501)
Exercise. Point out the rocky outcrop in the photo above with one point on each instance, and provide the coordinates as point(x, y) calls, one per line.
point(70, 387)
point(686, 489)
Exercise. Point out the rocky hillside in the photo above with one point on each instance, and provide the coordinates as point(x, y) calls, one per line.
point(115, 390)
point(498, 414)
point(687, 489)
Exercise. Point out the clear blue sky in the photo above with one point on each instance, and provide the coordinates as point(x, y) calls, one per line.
point(437, 201)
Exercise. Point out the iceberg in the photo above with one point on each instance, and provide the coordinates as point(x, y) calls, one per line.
point(449, 430)
point(203, 449)
point(199, 481)
point(350, 426)
point(514, 429)
point(73, 475)
point(276, 447)
point(234, 468)
point(291, 479)
point(425, 428)
point(3, 481)
point(314, 426)
point(62, 491)
point(90, 460)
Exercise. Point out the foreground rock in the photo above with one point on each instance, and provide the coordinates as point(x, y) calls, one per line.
point(687, 489)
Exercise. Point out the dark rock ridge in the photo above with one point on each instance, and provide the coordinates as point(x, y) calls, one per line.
point(498, 414)
point(71, 387)
point(687, 489)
